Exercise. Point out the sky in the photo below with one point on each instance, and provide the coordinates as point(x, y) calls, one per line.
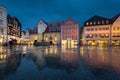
point(29, 12)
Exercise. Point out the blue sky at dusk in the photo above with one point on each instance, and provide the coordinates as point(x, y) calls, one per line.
point(29, 12)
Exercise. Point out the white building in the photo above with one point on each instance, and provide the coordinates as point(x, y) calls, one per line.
point(3, 24)
point(41, 26)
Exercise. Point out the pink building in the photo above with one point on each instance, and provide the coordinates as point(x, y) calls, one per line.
point(70, 33)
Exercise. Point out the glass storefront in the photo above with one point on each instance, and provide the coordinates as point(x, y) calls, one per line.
point(115, 42)
point(69, 43)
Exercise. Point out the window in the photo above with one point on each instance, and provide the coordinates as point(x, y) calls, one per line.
point(87, 23)
point(104, 28)
point(72, 36)
point(98, 22)
point(96, 29)
point(107, 35)
point(1, 22)
point(1, 30)
point(90, 35)
point(96, 35)
point(103, 22)
point(107, 28)
point(117, 28)
point(107, 21)
point(92, 29)
point(102, 35)
point(90, 23)
point(114, 28)
point(1, 13)
point(94, 23)
point(87, 29)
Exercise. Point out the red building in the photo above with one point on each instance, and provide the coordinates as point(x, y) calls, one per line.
point(70, 33)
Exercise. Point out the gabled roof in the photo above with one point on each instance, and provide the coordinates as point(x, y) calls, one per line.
point(97, 18)
point(115, 18)
point(32, 31)
point(13, 18)
point(70, 19)
point(36, 26)
point(54, 26)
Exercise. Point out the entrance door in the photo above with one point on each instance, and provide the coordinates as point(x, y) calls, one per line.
point(69, 43)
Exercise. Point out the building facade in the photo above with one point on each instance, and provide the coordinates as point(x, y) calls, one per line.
point(70, 33)
point(102, 31)
point(46, 31)
point(37, 34)
point(53, 32)
point(14, 29)
point(115, 30)
point(3, 24)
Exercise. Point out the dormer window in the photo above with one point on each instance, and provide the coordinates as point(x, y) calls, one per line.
point(103, 22)
point(87, 23)
point(94, 23)
point(50, 25)
point(1, 13)
point(98, 22)
point(90, 23)
point(107, 21)
point(58, 24)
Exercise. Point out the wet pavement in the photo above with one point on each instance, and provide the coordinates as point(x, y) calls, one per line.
point(60, 63)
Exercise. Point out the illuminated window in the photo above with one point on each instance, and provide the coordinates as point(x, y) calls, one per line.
point(102, 35)
point(55, 38)
point(91, 35)
point(87, 23)
point(106, 35)
point(36, 38)
point(90, 23)
point(46, 38)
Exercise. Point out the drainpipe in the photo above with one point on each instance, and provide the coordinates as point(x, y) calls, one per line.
point(110, 34)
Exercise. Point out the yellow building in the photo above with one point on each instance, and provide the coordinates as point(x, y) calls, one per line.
point(49, 32)
point(102, 31)
point(52, 37)
point(53, 33)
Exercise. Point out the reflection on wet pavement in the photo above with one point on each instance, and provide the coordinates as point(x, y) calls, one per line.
point(60, 63)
